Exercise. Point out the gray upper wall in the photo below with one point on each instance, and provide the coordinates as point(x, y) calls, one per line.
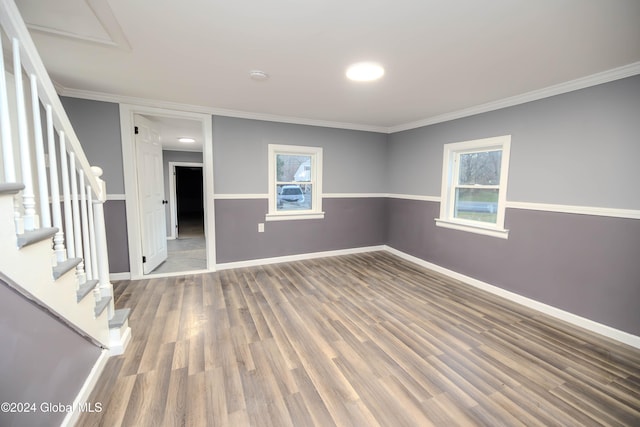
point(579, 148)
point(97, 125)
point(353, 161)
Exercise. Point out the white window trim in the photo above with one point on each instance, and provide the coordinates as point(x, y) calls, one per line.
point(316, 170)
point(451, 151)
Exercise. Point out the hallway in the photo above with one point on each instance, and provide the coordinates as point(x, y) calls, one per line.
point(186, 252)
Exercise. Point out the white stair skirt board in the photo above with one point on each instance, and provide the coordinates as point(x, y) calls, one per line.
point(30, 268)
point(584, 323)
point(82, 399)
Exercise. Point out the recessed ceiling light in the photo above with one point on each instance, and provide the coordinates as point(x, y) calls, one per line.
point(186, 140)
point(365, 71)
point(258, 75)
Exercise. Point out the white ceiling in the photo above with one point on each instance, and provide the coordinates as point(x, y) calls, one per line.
point(171, 129)
point(440, 56)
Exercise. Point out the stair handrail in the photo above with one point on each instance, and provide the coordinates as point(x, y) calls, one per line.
point(83, 191)
point(14, 27)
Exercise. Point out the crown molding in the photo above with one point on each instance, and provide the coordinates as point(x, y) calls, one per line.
point(145, 102)
point(570, 86)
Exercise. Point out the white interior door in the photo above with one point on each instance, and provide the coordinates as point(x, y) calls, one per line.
point(151, 194)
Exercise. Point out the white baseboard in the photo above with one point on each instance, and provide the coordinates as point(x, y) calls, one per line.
point(590, 325)
point(83, 396)
point(299, 257)
point(120, 276)
point(582, 322)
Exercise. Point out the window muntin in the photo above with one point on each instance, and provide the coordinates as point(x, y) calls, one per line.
point(295, 174)
point(474, 185)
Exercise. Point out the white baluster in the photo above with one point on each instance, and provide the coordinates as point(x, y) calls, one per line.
point(92, 233)
point(9, 160)
point(7, 142)
point(43, 189)
point(75, 206)
point(58, 239)
point(28, 197)
point(85, 228)
point(66, 194)
point(105, 286)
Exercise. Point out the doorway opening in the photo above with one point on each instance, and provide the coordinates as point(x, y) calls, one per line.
point(195, 218)
point(189, 201)
point(186, 244)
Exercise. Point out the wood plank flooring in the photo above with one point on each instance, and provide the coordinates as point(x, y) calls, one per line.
point(357, 340)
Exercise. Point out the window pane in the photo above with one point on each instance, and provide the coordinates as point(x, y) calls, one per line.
point(293, 168)
point(476, 204)
point(480, 168)
point(294, 197)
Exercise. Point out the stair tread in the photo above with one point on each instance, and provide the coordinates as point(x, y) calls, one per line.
point(101, 305)
point(85, 289)
point(35, 236)
point(65, 266)
point(119, 318)
point(11, 187)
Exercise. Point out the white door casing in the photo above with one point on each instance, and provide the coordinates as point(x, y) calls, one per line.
point(127, 113)
point(151, 194)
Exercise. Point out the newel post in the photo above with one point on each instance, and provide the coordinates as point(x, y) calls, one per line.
point(105, 287)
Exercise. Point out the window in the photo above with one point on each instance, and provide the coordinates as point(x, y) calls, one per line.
point(474, 186)
point(295, 182)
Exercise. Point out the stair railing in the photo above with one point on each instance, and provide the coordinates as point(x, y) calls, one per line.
point(76, 209)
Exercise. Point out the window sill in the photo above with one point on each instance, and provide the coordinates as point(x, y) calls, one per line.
point(293, 216)
point(472, 228)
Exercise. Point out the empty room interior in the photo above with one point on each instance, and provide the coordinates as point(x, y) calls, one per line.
point(414, 213)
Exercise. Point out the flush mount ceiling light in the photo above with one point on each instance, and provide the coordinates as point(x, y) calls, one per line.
point(258, 75)
point(186, 140)
point(365, 72)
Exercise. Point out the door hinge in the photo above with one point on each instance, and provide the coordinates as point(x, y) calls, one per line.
point(144, 259)
point(135, 129)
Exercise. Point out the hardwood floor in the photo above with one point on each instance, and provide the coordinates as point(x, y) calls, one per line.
point(358, 340)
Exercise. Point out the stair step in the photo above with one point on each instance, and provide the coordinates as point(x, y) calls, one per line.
point(65, 266)
point(86, 289)
point(119, 318)
point(11, 188)
point(35, 236)
point(101, 305)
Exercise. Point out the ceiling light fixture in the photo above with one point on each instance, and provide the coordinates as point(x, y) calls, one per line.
point(365, 72)
point(186, 140)
point(258, 75)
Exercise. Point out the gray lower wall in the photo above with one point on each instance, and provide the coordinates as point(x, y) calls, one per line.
point(348, 223)
point(115, 218)
point(41, 361)
point(583, 264)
